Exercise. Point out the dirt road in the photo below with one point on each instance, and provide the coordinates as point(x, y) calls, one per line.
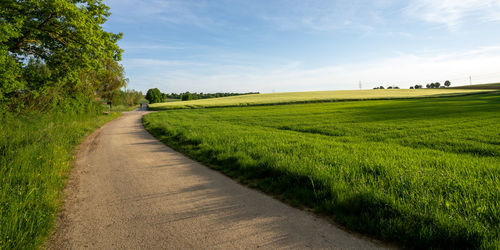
point(130, 191)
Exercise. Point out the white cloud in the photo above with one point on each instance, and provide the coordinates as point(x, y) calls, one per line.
point(452, 13)
point(404, 70)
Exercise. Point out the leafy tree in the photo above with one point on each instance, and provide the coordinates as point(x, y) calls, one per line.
point(154, 95)
point(437, 84)
point(187, 96)
point(447, 83)
point(63, 42)
point(411, 87)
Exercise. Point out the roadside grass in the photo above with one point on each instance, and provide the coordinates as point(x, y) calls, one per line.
point(421, 172)
point(308, 97)
point(119, 108)
point(36, 152)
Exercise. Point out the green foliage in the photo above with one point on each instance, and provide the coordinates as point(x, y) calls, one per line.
point(196, 96)
point(35, 158)
point(422, 172)
point(187, 96)
point(127, 97)
point(154, 95)
point(9, 72)
point(56, 48)
point(447, 83)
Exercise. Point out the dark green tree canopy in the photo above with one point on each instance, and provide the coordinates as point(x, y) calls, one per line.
point(154, 95)
point(58, 47)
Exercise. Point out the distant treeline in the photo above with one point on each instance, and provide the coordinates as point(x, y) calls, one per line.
point(434, 85)
point(194, 96)
point(155, 96)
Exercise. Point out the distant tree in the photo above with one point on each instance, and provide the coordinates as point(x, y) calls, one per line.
point(437, 84)
point(428, 86)
point(381, 87)
point(447, 83)
point(396, 87)
point(187, 96)
point(390, 87)
point(154, 95)
point(432, 85)
point(418, 86)
point(411, 87)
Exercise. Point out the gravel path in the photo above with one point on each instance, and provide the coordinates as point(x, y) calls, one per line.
point(129, 191)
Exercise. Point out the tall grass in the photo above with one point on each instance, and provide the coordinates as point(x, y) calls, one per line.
point(421, 172)
point(36, 151)
point(310, 97)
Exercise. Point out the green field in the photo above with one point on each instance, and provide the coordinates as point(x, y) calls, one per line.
point(36, 152)
point(480, 86)
point(420, 172)
point(308, 97)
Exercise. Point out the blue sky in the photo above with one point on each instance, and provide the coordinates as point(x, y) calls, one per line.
point(294, 45)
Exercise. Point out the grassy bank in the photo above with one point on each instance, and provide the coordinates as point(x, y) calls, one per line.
point(493, 86)
point(308, 97)
point(36, 151)
point(421, 172)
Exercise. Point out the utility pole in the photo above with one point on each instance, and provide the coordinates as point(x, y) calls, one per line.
point(360, 85)
point(470, 80)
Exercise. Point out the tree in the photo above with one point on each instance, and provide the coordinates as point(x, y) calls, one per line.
point(447, 83)
point(428, 86)
point(411, 87)
point(154, 95)
point(436, 85)
point(63, 40)
point(187, 96)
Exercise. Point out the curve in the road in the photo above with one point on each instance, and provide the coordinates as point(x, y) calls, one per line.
point(128, 190)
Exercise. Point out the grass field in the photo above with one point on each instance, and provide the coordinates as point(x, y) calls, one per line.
point(480, 86)
point(420, 172)
point(35, 158)
point(307, 97)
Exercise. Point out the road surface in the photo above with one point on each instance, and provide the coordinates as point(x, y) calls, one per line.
point(130, 191)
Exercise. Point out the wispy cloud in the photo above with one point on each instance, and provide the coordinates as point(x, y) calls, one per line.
point(324, 15)
point(150, 46)
point(453, 13)
point(165, 11)
point(403, 70)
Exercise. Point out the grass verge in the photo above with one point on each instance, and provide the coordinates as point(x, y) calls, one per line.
point(421, 172)
point(36, 152)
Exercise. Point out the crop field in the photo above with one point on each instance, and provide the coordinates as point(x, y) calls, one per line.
point(480, 86)
point(420, 172)
point(308, 97)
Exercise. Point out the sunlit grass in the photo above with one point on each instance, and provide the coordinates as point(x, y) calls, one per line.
point(36, 152)
point(304, 97)
point(422, 172)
